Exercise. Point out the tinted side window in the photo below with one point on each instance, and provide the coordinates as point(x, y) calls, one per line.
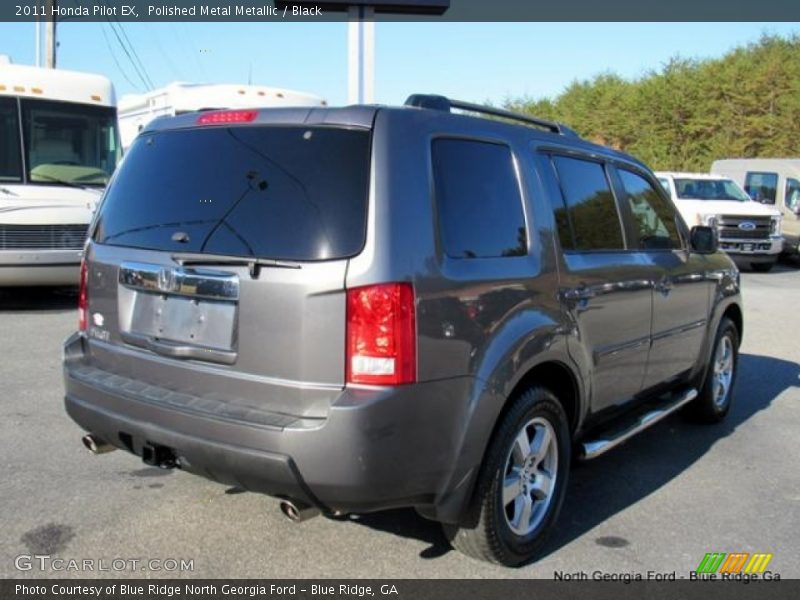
point(478, 199)
point(591, 208)
point(792, 196)
point(550, 180)
point(762, 187)
point(10, 150)
point(653, 218)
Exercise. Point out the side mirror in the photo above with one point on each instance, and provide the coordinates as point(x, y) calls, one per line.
point(703, 240)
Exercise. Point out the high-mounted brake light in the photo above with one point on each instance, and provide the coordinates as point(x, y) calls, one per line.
point(223, 117)
point(381, 335)
point(83, 297)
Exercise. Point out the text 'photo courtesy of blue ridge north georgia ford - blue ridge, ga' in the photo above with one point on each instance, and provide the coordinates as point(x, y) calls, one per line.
point(382, 292)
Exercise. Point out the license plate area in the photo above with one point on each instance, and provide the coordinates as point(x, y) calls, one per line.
point(179, 312)
point(182, 320)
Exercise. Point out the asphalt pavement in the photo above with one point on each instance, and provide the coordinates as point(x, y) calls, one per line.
point(658, 503)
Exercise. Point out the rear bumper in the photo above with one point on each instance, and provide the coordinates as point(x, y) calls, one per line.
point(39, 267)
point(377, 448)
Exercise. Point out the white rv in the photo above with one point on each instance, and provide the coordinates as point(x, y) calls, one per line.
point(59, 146)
point(136, 111)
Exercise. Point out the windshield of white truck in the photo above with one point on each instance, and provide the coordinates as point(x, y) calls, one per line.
point(710, 189)
point(63, 143)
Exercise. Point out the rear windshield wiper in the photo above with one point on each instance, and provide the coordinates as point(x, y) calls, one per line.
point(254, 264)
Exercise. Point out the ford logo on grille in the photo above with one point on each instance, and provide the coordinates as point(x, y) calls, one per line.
point(747, 226)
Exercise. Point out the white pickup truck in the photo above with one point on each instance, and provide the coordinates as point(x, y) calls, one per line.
point(749, 231)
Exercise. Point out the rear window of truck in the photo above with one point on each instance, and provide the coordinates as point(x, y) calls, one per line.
point(293, 193)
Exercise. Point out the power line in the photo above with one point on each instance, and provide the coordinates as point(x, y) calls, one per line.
point(135, 54)
point(128, 54)
point(114, 57)
point(154, 36)
point(139, 68)
point(189, 43)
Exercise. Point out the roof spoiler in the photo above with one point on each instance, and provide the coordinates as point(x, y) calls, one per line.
point(444, 104)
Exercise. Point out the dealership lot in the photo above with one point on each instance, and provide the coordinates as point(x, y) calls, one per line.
point(659, 503)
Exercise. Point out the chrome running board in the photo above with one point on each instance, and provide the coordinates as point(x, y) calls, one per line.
point(594, 448)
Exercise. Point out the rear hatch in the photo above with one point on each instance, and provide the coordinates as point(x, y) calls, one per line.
point(217, 267)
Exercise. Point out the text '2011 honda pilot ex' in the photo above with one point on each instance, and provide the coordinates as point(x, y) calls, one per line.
point(355, 309)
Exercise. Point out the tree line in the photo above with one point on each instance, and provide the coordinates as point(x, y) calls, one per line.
point(689, 113)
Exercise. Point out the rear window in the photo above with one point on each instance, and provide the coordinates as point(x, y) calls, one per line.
point(295, 193)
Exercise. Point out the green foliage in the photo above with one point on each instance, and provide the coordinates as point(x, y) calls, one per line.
point(689, 113)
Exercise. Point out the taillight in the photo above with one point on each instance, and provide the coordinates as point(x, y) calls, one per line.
point(381, 335)
point(223, 117)
point(83, 298)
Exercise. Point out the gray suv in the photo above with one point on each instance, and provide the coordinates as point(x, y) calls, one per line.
point(434, 306)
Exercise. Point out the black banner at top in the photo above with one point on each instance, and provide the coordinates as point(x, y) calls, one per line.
point(401, 10)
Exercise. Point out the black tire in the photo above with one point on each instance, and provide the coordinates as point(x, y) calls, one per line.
point(708, 407)
point(762, 267)
point(486, 533)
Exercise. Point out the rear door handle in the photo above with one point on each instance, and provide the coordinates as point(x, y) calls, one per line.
point(664, 286)
point(580, 293)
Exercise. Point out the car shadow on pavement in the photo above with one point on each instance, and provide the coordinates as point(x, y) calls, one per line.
point(405, 522)
point(37, 299)
point(630, 473)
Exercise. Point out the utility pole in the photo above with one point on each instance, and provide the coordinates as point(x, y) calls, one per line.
point(361, 33)
point(361, 55)
point(50, 34)
point(37, 35)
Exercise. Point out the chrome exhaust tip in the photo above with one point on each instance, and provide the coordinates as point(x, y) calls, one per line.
point(95, 445)
point(298, 511)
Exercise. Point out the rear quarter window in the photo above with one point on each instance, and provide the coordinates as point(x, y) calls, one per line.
point(478, 199)
point(296, 193)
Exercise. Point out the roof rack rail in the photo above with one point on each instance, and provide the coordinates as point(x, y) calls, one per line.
point(444, 104)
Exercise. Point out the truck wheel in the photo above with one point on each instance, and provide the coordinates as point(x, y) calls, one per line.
point(762, 267)
point(521, 484)
point(714, 400)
